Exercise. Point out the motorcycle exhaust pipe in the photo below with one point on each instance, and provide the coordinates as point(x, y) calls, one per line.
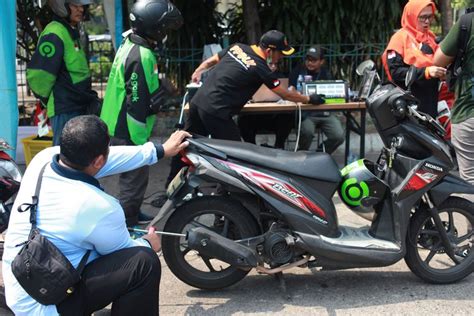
point(213, 245)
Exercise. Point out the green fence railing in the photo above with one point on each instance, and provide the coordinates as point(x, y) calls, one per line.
point(342, 60)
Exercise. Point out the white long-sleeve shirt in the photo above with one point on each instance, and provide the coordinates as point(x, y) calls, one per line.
point(73, 213)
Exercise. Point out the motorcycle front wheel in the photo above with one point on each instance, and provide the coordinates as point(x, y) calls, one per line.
point(426, 256)
point(219, 214)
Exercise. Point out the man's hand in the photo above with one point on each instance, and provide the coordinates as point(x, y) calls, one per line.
point(196, 76)
point(436, 72)
point(153, 239)
point(174, 144)
point(316, 99)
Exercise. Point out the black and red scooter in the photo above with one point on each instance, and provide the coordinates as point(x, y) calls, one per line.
point(10, 177)
point(239, 206)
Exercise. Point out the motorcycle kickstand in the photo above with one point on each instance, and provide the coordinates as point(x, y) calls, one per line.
point(282, 284)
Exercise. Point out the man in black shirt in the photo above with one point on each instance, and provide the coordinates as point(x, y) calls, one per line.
point(280, 124)
point(329, 124)
point(238, 73)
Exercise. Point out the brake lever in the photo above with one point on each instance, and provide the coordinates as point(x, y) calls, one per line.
point(415, 113)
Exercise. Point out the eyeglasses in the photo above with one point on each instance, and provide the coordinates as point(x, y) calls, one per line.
point(312, 59)
point(427, 17)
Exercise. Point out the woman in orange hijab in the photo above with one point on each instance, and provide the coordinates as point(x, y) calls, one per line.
point(414, 44)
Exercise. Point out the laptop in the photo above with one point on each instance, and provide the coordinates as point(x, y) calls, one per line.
point(264, 94)
point(335, 91)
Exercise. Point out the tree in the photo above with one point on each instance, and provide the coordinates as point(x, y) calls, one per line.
point(251, 20)
point(446, 11)
point(30, 22)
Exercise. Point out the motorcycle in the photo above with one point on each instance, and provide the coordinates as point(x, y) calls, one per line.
point(10, 178)
point(237, 206)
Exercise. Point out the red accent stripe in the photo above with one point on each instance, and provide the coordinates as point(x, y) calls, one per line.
point(266, 182)
point(5, 156)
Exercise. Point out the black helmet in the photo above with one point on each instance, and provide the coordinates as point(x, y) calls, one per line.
point(361, 189)
point(153, 18)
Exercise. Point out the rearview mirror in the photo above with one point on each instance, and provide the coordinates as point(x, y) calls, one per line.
point(364, 66)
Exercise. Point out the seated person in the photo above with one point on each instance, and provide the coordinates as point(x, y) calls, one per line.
point(329, 123)
point(279, 124)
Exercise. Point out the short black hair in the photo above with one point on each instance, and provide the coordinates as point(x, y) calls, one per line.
point(83, 139)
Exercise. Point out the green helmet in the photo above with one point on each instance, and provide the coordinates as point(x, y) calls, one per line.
point(361, 189)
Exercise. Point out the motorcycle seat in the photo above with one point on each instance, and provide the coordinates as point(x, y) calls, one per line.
point(308, 164)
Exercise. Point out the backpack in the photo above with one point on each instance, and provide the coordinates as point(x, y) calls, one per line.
point(455, 69)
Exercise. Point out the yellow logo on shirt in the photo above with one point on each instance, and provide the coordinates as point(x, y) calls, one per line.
point(242, 56)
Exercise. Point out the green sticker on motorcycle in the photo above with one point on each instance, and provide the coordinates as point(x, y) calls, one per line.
point(352, 192)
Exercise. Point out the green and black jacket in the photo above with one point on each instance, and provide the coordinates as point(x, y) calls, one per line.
point(132, 81)
point(58, 73)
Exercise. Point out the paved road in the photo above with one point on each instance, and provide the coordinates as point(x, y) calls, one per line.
point(391, 290)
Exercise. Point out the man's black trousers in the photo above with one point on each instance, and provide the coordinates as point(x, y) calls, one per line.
point(202, 123)
point(128, 278)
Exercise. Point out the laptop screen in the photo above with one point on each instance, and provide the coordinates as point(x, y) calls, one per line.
point(335, 91)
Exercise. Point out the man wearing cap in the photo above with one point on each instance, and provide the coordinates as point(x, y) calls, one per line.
point(238, 73)
point(329, 124)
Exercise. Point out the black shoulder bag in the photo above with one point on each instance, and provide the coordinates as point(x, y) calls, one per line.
point(40, 267)
point(454, 70)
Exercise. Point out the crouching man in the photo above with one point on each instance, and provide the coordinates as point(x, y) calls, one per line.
point(76, 215)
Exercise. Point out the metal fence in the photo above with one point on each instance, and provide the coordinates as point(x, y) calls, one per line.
point(179, 64)
point(341, 59)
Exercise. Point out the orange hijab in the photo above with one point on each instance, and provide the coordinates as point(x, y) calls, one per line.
point(407, 41)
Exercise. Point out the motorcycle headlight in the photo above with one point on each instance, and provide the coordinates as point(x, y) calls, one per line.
point(9, 169)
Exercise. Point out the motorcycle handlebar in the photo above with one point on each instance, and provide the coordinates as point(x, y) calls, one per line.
point(427, 120)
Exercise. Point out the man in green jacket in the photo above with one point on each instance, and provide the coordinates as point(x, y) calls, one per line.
point(134, 94)
point(58, 73)
point(462, 114)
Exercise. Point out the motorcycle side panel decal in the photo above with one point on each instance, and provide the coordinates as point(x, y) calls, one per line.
point(278, 187)
point(424, 176)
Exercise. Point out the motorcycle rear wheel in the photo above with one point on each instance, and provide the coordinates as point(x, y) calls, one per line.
point(222, 215)
point(426, 256)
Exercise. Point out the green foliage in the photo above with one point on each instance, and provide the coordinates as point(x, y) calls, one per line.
point(340, 25)
point(97, 23)
point(202, 24)
point(100, 68)
point(30, 22)
point(459, 4)
point(324, 21)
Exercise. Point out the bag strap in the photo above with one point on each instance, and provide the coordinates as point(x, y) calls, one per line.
point(83, 262)
point(32, 207)
point(463, 38)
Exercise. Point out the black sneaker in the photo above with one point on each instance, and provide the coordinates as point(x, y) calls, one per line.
point(143, 218)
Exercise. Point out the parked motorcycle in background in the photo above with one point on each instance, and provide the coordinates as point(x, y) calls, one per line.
point(10, 178)
point(239, 206)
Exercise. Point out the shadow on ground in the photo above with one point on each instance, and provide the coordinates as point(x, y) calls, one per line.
point(326, 292)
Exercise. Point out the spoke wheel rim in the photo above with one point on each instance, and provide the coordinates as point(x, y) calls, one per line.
point(430, 248)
